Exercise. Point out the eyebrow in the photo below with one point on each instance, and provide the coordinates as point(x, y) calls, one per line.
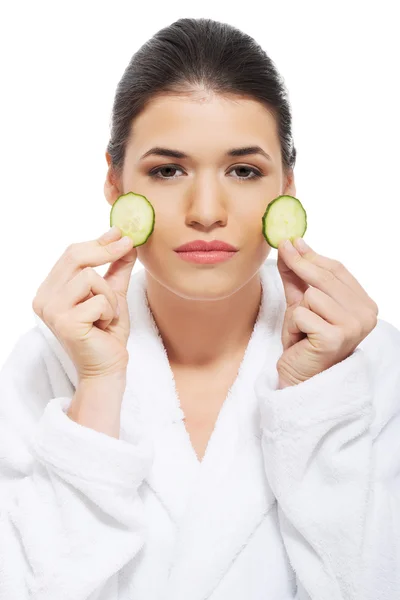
point(245, 151)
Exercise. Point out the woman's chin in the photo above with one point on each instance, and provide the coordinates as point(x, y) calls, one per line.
point(202, 286)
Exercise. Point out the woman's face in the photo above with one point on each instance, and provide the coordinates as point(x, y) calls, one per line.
point(203, 196)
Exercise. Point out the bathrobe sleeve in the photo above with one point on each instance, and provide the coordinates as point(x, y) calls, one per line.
point(331, 448)
point(70, 514)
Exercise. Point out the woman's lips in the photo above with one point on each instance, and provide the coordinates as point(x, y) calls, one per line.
point(207, 257)
point(206, 246)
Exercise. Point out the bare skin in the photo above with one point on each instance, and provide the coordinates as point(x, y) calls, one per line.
point(205, 313)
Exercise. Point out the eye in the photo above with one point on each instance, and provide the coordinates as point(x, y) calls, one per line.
point(256, 174)
point(155, 172)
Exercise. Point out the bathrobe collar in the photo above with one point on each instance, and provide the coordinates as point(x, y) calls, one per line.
point(216, 504)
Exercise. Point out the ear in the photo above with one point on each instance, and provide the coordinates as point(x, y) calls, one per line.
point(290, 187)
point(111, 185)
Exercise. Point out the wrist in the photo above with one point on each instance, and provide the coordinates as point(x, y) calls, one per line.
point(112, 378)
point(97, 403)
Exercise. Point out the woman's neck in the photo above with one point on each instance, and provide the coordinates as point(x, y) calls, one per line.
point(204, 334)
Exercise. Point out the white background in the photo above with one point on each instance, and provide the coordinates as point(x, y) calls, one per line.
point(60, 65)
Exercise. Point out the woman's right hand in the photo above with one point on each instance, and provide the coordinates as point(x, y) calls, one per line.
point(80, 306)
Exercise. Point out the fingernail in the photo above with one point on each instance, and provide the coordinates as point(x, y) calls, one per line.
point(124, 241)
point(301, 245)
point(120, 245)
point(288, 246)
point(110, 233)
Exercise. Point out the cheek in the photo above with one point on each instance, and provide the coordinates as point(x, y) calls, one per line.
point(251, 225)
point(156, 245)
point(165, 221)
point(163, 225)
point(252, 231)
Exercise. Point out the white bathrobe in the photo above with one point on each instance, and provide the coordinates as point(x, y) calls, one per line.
point(297, 497)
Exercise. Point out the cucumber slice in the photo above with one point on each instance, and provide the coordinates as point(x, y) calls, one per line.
point(284, 219)
point(135, 217)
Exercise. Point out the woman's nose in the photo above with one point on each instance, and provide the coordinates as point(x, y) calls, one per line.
point(207, 204)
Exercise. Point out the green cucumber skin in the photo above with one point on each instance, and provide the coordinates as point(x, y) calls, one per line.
point(264, 218)
point(153, 211)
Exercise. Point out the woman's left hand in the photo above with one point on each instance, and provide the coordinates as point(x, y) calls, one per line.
point(324, 323)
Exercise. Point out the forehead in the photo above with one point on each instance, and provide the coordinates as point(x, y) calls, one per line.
point(204, 120)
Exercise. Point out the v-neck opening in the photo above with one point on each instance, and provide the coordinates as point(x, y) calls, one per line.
point(231, 403)
point(226, 405)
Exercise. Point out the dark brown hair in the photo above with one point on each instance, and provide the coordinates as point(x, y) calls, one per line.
point(193, 53)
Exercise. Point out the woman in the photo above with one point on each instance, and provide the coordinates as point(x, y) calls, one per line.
point(233, 432)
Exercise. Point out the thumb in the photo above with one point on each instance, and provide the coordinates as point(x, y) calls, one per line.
point(119, 272)
point(294, 287)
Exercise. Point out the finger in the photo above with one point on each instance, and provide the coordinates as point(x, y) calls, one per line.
point(293, 286)
point(87, 254)
point(106, 318)
point(78, 289)
point(312, 324)
point(119, 272)
point(334, 266)
point(321, 305)
point(95, 310)
point(329, 310)
point(319, 277)
point(291, 334)
point(113, 234)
